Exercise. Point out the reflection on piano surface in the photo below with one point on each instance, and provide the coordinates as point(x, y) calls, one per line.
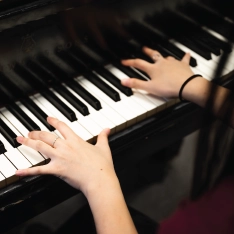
point(64, 61)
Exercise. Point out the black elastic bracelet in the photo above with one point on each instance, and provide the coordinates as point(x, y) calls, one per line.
point(183, 85)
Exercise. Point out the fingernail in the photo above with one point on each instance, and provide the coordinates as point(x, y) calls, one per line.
point(124, 61)
point(125, 81)
point(50, 118)
point(20, 139)
point(19, 172)
point(107, 130)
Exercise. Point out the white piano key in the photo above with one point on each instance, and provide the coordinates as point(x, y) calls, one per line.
point(128, 102)
point(85, 121)
point(230, 62)
point(75, 126)
point(117, 106)
point(56, 132)
point(33, 117)
point(151, 103)
point(108, 111)
point(15, 122)
point(34, 157)
point(13, 154)
point(36, 120)
point(101, 119)
point(203, 65)
point(2, 180)
point(8, 170)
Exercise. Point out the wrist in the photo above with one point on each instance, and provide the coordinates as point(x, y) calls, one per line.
point(105, 184)
point(185, 83)
point(197, 90)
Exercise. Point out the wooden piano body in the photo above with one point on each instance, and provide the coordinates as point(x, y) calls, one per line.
point(31, 30)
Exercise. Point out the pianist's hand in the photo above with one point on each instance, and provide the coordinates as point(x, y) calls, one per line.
point(167, 74)
point(80, 164)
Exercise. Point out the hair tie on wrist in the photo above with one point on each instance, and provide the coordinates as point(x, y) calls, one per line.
point(183, 85)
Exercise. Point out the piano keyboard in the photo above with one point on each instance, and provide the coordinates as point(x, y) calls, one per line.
point(94, 101)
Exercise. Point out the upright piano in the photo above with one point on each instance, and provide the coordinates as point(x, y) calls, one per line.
point(62, 58)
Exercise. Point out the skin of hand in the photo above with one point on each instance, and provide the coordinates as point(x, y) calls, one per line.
point(167, 74)
point(70, 157)
point(86, 167)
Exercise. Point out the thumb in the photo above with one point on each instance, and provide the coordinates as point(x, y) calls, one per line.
point(186, 58)
point(103, 137)
point(39, 170)
point(135, 83)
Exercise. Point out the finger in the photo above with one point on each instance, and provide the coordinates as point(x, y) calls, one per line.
point(186, 58)
point(65, 131)
point(37, 145)
point(47, 137)
point(137, 63)
point(39, 170)
point(170, 58)
point(153, 54)
point(136, 83)
point(103, 137)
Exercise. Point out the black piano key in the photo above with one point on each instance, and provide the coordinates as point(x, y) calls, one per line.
point(141, 34)
point(208, 18)
point(193, 46)
point(63, 77)
point(115, 59)
point(73, 100)
point(40, 114)
point(20, 95)
point(94, 102)
point(102, 86)
point(62, 107)
point(210, 39)
point(151, 39)
point(176, 29)
point(200, 36)
point(43, 89)
point(22, 117)
point(224, 8)
point(178, 53)
point(41, 73)
point(113, 80)
point(95, 79)
point(128, 71)
point(8, 134)
point(212, 47)
point(2, 148)
point(51, 79)
point(81, 91)
point(12, 90)
point(17, 112)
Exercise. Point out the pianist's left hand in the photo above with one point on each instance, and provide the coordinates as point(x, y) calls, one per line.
point(86, 167)
point(77, 162)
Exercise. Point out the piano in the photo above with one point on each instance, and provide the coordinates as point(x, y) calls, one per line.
point(62, 58)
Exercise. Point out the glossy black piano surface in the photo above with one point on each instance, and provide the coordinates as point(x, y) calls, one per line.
point(45, 43)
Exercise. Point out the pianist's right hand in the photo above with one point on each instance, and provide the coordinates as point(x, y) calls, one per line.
point(167, 74)
point(167, 77)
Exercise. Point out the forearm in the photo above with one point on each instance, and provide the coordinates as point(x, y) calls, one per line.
point(216, 99)
point(109, 209)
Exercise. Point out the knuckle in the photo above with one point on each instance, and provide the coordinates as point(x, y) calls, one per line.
point(170, 58)
point(138, 62)
point(61, 124)
point(42, 135)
